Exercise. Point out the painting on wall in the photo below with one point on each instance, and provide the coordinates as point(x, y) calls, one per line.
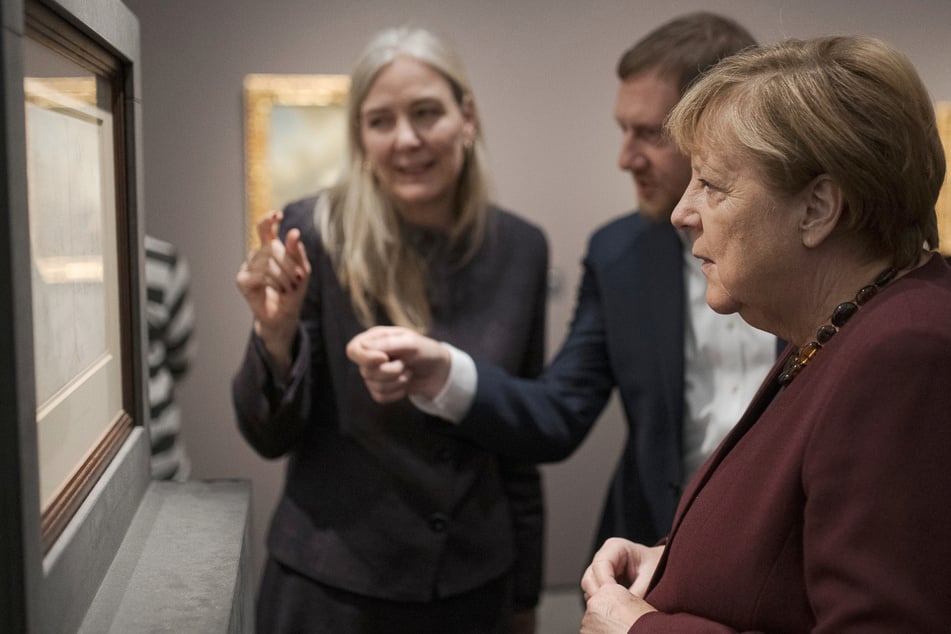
point(295, 139)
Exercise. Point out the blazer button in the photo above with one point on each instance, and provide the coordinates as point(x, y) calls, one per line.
point(438, 522)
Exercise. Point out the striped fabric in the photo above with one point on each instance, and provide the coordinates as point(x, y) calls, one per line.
point(171, 320)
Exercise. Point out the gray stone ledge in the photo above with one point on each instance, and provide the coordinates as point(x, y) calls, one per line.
point(184, 564)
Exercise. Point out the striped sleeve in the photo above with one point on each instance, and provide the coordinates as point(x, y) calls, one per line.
point(171, 320)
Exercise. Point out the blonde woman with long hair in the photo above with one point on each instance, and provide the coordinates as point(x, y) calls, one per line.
point(389, 523)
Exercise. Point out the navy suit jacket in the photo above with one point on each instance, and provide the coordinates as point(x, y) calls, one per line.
point(627, 332)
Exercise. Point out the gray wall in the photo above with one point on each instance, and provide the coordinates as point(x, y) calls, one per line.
point(543, 76)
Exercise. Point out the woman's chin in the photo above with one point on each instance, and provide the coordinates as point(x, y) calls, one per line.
point(721, 303)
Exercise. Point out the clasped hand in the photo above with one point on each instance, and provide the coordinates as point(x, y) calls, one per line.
point(396, 362)
point(614, 586)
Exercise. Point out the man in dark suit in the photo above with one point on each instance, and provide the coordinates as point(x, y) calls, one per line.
point(641, 323)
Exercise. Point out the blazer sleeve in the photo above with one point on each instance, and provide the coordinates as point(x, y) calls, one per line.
point(546, 419)
point(272, 415)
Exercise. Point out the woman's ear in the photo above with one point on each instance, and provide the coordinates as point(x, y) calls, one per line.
point(824, 205)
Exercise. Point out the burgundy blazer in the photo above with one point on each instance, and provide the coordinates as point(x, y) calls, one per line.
point(828, 508)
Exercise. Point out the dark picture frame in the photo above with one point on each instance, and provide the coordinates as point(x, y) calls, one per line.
point(56, 548)
point(77, 171)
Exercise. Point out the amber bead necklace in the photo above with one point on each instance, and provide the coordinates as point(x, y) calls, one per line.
point(842, 313)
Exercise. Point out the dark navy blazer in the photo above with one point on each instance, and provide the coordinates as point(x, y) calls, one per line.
point(628, 332)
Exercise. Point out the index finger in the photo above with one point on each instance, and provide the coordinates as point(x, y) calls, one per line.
point(379, 337)
point(363, 355)
point(596, 575)
point(296, 250)
point(267, 226)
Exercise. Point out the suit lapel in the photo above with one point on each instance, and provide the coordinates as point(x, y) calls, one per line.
point(764, 396)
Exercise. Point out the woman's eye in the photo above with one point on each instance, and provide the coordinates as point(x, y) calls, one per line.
point(427, 113)
point(378, 123)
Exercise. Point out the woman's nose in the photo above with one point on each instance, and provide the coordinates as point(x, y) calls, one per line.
point(406, 134)
point(682, 217)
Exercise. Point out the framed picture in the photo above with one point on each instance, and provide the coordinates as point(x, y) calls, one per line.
point(295, 139)
point(73, 448)
point(76, 174)
point(943, 207)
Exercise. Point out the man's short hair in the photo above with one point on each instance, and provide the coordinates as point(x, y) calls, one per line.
point(685, 47)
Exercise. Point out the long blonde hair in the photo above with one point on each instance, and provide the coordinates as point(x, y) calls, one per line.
point(361, 229)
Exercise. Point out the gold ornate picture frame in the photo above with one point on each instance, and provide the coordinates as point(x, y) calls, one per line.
point(295, 139)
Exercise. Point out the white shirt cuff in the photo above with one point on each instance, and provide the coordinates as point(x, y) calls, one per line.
point(456, 396)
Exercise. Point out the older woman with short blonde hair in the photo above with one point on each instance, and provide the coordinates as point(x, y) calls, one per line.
point(816, 166)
